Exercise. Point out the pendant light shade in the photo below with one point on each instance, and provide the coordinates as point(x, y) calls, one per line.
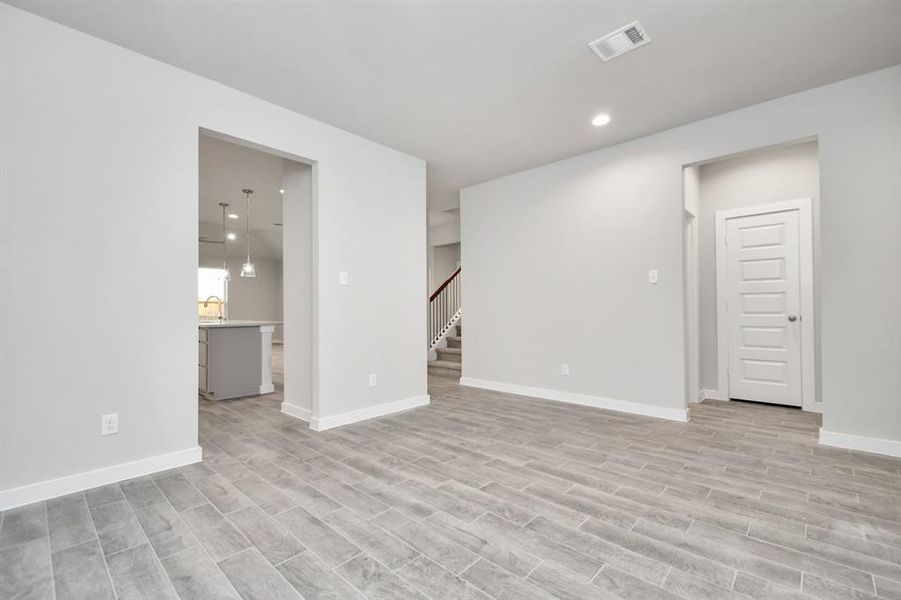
point(248, 269)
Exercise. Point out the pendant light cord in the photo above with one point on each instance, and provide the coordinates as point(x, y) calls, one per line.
point(224, 205)
point(247, 225)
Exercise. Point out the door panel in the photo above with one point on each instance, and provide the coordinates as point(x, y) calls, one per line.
point(763, 262)
point(753, 305)
point(767, 269)
point(763, 337)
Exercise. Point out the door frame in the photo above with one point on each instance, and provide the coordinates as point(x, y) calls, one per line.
point(691, 274)
point(808, 304)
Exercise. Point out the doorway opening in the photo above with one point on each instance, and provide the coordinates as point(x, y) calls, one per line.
point(444, 364)
point(255, 276)
point(751, 256)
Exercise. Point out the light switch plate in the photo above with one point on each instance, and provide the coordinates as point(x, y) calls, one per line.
point(564, 369)
point(653, 276)
point(342, 278)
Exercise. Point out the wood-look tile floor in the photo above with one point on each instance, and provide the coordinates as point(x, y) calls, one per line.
point(481, 495)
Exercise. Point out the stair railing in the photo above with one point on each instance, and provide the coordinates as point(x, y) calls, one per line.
point(445, 308)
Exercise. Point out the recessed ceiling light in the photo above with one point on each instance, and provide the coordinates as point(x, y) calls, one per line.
point(232, 216)
point(281, 191)
point(231, 236)
point(600, 120)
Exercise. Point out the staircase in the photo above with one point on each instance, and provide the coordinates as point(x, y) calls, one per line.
point(450, 359)
point(446, 328)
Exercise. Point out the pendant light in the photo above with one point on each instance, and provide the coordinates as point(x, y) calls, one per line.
point(227, 275)
point(247, 269)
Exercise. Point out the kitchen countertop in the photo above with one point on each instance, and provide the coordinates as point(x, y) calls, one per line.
point(235, 323)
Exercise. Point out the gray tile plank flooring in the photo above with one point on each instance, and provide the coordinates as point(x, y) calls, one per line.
point(315, 580)
point(196, 577)
point(117, 527)
point(79, 572)
point(479, 496)
point(163, 527)
point(137, 574)
point(69, 522)
point(255, 578)
point(270, 538)
point(378, 582)
point(217, 535)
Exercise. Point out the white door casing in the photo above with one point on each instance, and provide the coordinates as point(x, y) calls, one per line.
point(765, 321)
point(692, 307)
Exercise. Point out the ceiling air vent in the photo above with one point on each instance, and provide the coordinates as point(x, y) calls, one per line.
point(620, 41)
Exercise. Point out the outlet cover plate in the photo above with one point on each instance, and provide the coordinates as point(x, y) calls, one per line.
point(109, 424)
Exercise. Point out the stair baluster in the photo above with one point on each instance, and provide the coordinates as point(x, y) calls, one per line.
point(445, 308)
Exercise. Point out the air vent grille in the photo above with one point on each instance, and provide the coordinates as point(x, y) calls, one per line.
point(620, 41)
point(634, 34)
point(604, 49)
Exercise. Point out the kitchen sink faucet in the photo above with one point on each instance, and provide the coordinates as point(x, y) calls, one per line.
point(219, 300)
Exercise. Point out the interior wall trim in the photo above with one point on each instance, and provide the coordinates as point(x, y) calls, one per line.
point(626, 406)
point(859, 442)
point(52, 488)
point(298, 412)
point(364, 414)
point(708, 394)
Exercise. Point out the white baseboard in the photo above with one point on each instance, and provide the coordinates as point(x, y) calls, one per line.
point(297, 412)
point(61, 486)
point(859, 442)
point(267, 388)
point(354, 416)
point(708, 394)
point(637, 408)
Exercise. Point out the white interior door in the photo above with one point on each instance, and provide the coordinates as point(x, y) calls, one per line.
point(763, 307)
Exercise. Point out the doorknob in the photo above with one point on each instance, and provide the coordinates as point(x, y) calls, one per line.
point(792, 318)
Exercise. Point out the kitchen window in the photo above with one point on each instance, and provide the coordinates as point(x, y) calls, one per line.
point(212, 294)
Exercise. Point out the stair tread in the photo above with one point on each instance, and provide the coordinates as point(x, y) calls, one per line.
point(450, 350)
point(455, 338)
point(446, 364)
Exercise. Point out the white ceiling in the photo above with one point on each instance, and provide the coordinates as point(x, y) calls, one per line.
point(482, 89)
point(226, 169)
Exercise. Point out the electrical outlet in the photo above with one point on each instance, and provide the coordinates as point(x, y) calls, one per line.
point(109, 424)
point(342, 278)
point(653, 276)
point(372, 381)
point(564, 369)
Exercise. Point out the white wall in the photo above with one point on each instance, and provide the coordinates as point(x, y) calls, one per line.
point(257, 299)
point(112, 137)
point(444, 233)
point(443, 261)
point(771, 175)
point(557, 257)
point(301, 337)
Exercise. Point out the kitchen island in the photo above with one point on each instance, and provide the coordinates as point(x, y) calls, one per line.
point(235, 359)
